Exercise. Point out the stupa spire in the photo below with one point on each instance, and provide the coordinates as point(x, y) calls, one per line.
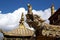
point(22, 18)
point(29, 9)
point(52, 9)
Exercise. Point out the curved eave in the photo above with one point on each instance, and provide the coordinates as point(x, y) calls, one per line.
point(8, 36)
point(23, 31)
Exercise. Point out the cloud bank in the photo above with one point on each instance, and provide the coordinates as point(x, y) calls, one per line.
point(10, 21)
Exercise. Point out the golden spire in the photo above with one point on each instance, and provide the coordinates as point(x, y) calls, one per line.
point(22, 18)
point(52, 9)
point(29, 9)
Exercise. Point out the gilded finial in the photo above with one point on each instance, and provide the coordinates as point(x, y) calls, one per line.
point(52, 9)
point(29, 9)
point(22, 18)
point(28, 4)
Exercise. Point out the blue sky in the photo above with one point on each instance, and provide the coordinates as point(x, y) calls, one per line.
point(7, 6)
point(12, 10)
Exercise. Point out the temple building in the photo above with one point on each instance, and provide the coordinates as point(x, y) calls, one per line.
point(55, 16)
point(42, 31)
point(20, 33)
point(35, 21)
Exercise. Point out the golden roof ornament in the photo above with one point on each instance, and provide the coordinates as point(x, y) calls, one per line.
point(29, 5)
point(22, 18)
point(52, 9)
point(21, 30)
point(29, 9)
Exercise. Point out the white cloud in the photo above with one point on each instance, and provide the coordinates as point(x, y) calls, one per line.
point(43, 14)
point(0, 11)
point(9, 21)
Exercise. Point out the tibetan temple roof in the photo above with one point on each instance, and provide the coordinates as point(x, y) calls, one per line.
point(21, 30)
point(55, 14)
